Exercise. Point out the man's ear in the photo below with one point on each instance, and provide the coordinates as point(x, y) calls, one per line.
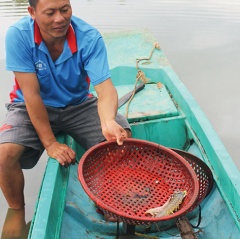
point(31, 11)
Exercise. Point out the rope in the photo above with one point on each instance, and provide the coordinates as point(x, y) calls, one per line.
point(156, 45)
point(134, 91)
point(140, 75)
point(117, 229)
point(199, 218)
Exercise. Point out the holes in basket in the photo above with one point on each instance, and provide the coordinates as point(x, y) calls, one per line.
point(131, 179)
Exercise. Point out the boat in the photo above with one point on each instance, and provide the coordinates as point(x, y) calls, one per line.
point(163, 112)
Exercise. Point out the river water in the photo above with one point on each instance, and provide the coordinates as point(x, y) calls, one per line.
point(201, 39)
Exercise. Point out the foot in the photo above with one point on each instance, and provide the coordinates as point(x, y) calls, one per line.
point(15, 226)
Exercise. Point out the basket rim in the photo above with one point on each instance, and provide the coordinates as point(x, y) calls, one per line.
point(193, 158)
point(118, 214)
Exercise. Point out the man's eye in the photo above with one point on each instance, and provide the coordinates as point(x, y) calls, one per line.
point(49, 13)
point(64, 10)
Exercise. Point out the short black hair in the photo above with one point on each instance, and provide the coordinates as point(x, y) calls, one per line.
point(32, 3)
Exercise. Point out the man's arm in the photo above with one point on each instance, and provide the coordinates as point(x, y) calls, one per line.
point(107, 109)
point(29, 85)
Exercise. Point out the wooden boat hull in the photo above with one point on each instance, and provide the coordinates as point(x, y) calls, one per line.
point(168, 116)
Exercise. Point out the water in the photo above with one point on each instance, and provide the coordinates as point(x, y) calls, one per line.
point(199, 37)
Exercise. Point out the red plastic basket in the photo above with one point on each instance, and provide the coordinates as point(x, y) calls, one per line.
point(125, 181)
point(204, 176)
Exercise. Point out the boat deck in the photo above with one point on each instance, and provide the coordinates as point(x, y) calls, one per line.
point(81, 219)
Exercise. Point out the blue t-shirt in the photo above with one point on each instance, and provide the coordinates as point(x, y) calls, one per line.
point(65, 81)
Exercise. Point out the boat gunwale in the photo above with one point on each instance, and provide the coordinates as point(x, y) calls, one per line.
point(225, 172)
point(48, 190)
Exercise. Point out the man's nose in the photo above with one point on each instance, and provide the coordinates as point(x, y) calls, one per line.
point(58, 17)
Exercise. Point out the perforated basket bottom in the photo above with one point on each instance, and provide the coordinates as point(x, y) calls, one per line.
point(203, 173)
point(126, 181)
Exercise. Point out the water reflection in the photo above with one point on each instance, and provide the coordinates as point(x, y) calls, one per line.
point(122, 2)
point(13, 8)
point(14, 2)
point(21, 1)
point(15, 226)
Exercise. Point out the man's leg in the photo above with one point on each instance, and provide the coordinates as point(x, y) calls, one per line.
point(11, 175)
point(83, 124)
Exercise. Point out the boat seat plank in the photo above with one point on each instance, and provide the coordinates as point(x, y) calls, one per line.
point(150, 103)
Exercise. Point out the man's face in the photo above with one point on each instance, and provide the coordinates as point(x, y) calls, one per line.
point(53, 18)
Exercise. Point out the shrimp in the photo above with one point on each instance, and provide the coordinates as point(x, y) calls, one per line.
point(170, 206)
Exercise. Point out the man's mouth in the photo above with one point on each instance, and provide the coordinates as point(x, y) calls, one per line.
point(59, 28)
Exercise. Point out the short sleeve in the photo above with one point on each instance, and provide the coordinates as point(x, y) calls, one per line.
point(18, 52)
point(96, 64)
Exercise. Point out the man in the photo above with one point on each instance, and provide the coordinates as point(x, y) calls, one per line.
point(54, 56)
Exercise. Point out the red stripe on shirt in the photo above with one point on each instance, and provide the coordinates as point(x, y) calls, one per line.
point(71, 39)
point(13, 94)
point(88, 81)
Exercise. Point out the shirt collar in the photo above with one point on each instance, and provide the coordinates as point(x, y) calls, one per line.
point(71, 37)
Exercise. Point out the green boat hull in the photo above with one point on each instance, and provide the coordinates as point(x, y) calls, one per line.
point(168, 116)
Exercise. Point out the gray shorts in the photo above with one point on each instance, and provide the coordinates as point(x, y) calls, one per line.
point(81, 122)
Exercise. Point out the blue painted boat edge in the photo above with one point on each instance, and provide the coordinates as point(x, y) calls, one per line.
point(47, 220)
point(225, 172)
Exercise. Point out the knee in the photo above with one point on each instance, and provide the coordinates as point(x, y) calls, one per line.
point(10, 154)
point(129, 133)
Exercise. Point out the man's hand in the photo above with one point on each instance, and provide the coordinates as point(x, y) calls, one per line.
point(107, 110)
point(113, 131)
point(62, 153)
